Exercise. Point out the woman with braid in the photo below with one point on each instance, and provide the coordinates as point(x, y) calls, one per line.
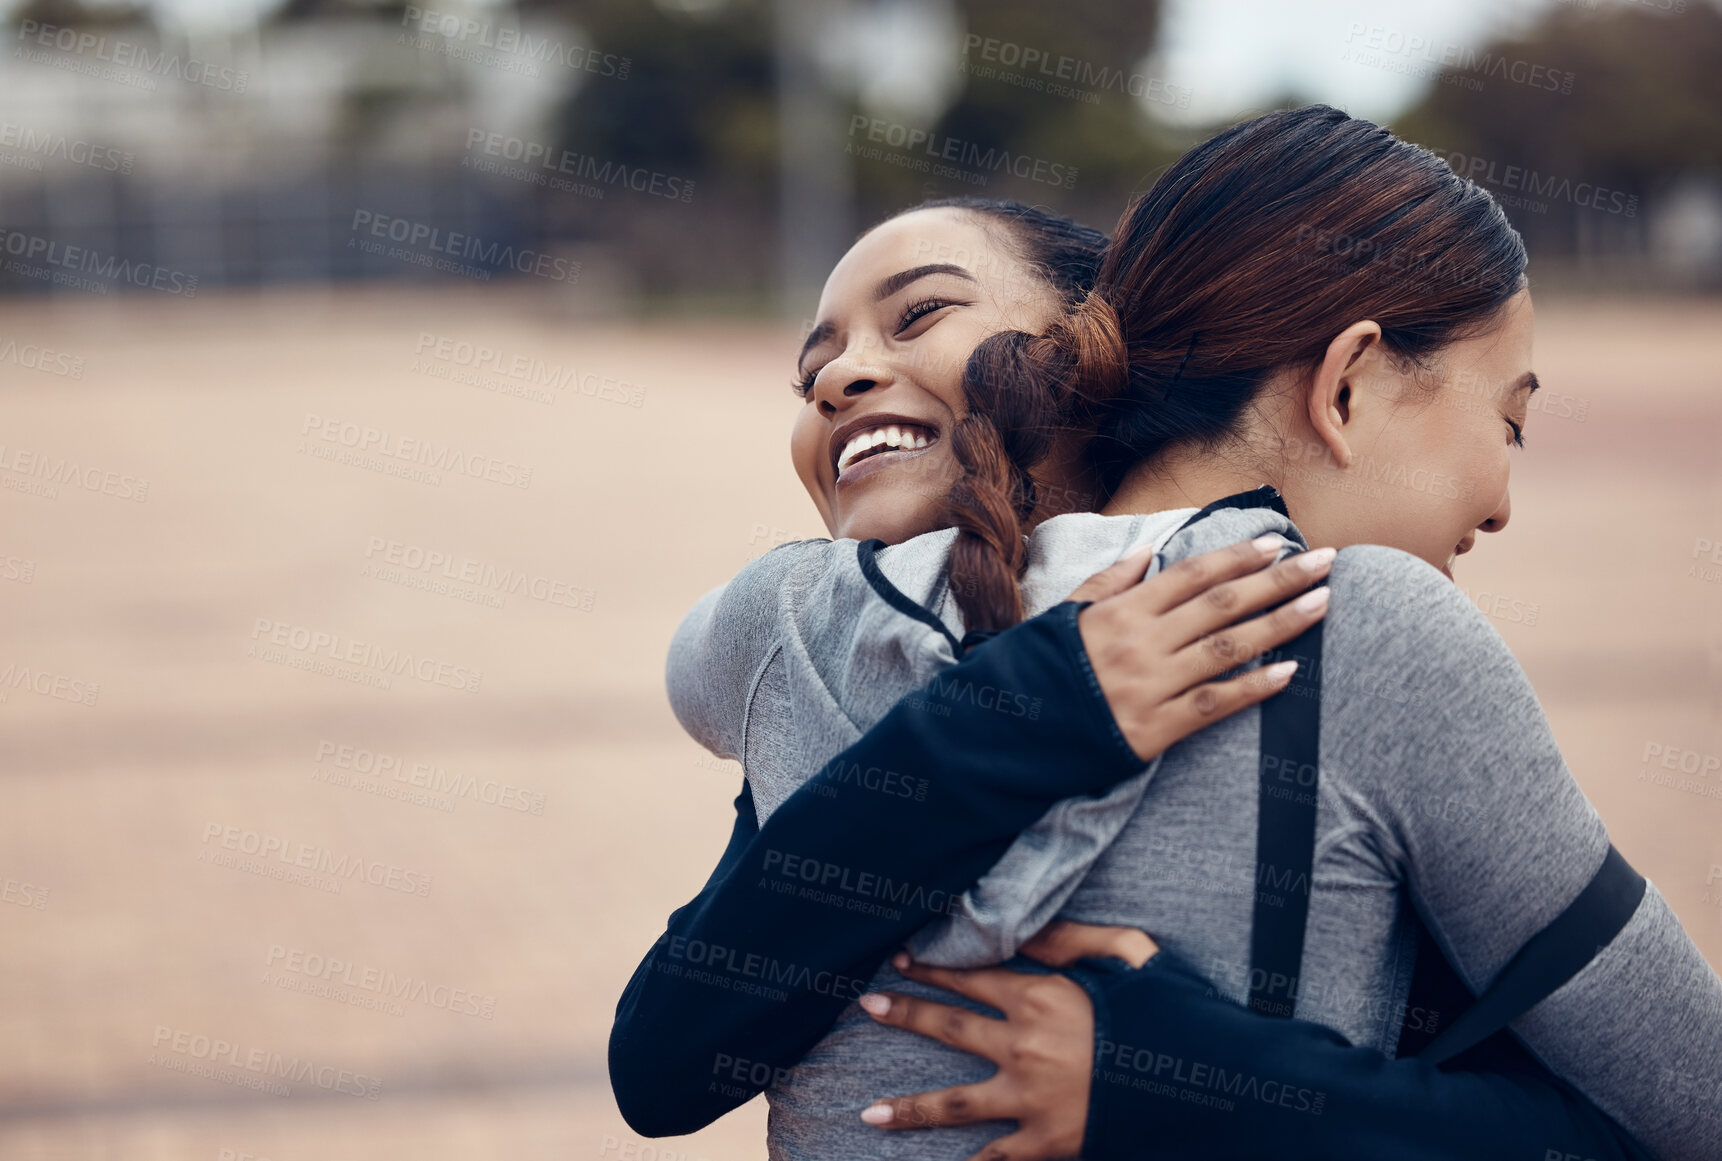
point(1279, 323)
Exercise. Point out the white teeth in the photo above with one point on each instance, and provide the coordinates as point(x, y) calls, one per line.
point(909, 439)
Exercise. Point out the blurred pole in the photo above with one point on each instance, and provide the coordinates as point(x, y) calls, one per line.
point(816, 197)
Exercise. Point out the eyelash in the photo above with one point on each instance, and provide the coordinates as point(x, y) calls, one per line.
point(1518, 434)
point(912, 314)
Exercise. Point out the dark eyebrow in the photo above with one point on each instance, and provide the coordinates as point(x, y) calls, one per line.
point(886, 288)
point(814, 337)
point(889, 286)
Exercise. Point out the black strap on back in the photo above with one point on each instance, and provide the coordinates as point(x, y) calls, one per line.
point(1287, 790)
point(1288, 775)
point(1548, 959)
point(1288, 782)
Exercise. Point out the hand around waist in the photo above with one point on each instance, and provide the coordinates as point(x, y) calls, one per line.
point(1043, 1046)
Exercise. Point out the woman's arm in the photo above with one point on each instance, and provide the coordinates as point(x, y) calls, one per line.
point(1464, 785)
point(755, 970)
point(724, 642)
point(1129, 1063)
point(1369, 1107)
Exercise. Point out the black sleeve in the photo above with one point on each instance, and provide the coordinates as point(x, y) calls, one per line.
point(804, 910)
point(801, 913)
point(1182, 1073)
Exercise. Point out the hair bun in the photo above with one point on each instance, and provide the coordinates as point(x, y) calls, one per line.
point(1097, 367)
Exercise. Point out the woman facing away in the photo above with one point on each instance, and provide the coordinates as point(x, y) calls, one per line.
point(1248, 336)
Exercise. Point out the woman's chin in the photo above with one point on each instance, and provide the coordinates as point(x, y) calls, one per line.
point(878, 518)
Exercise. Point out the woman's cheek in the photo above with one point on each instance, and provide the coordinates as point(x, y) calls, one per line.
point(806, 451)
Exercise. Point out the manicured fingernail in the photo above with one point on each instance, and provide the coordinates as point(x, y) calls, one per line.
point(1313, 600)
point(900, 960)
point(1280, 670)
point(879, 1114)
point(875, 1004)
point(1317, 560)
point(1265, 543)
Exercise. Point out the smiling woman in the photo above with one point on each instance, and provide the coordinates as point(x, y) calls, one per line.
point(1287, 853)
point(893, 325)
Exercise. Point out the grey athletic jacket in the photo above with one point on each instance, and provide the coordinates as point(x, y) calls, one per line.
point(1440, 789)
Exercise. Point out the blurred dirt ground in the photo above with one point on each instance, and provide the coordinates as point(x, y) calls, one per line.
point(148, 721)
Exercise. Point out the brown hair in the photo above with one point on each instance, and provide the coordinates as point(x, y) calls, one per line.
point(1247, 256)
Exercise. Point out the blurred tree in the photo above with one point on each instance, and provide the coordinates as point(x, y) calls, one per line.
point(78, 14)
point(700, 102)
point(1644, 111)
point(1106, 135)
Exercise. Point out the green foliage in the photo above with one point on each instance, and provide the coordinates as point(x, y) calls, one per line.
point(1645, 106)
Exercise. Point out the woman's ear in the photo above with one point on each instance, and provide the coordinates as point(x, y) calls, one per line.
point(1331, 390)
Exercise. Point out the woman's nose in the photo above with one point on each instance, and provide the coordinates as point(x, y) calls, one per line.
point(1498, 518)
point(851, 374)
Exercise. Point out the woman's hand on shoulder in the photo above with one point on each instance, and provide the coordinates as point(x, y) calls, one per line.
point(1156, 645)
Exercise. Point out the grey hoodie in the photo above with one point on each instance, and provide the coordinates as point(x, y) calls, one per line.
point(1440, 788)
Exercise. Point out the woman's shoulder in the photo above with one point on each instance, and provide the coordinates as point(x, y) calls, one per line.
point(1401, 591)
point(1401, 630)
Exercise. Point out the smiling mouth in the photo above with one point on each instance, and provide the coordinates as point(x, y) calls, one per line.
point(884, 440)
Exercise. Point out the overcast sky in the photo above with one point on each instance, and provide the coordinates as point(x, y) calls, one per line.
point(1237, 54)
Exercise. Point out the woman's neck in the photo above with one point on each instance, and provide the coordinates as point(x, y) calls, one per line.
point(1185, 480)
